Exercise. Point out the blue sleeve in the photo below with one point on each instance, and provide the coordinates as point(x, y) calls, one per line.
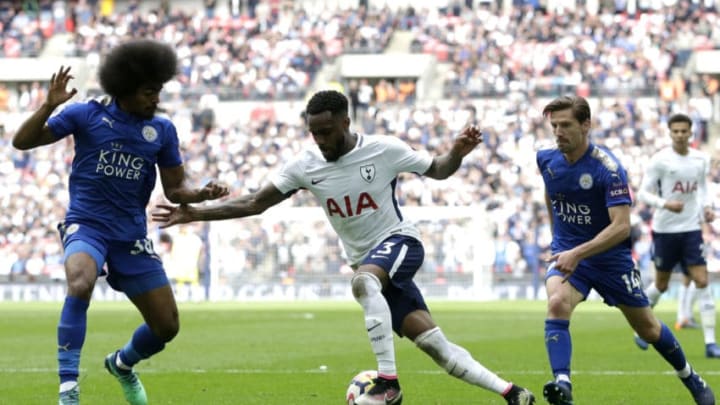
point(617, 191)
point(169, 154)
point(68, 120)
point(540, 159)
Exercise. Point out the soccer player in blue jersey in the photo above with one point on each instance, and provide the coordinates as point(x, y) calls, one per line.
point(355, 176)
point(118, 144)
point(588, 200)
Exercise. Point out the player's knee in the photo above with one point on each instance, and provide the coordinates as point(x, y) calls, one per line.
point(701, 282)
point(365, 284)
point(167, 330)
point(167, 327)
point(558, 306)
point(648, 328)
point(662, 286)
point(79, 283)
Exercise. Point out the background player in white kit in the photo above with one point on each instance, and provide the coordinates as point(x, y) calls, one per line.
point(354, 177)
point(675, 183)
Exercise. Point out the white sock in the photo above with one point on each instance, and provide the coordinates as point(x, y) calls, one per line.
point(367, 291)
point(685, 372)
point(458, 362)
point(682, 303)
point(120, 364)
point(563, 378)
point(68, 385)
point(707, 314)
point(653, 294)
point(690, 298)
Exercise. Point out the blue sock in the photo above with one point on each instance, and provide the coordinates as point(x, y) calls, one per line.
point(558, 345)
point(143, 344)
point(70, 337)
point(670, 349)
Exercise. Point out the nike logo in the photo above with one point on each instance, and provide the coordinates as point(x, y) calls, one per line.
point(378, 257)
point(64, 347)
point(373, 327)
point(107, 121)
point(317, 181)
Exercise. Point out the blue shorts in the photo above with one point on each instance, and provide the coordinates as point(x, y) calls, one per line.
point(132, 267)
point(400, 256)
point(615, 287)
point(684, 249)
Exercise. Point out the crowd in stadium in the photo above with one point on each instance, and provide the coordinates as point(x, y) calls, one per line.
point(632, 61)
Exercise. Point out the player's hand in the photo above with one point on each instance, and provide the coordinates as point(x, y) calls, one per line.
point(709, 214)
point(468, 139)
point(57, 92)
point(169, 215)
point(566, 262)
point(213, 190)
point(674, 206)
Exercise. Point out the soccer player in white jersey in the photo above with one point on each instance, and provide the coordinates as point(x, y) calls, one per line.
point(675, 183)
point(354, 177)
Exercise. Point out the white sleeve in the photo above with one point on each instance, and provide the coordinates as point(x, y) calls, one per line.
point(405, 159)
point(289, 177)
point(648, 187)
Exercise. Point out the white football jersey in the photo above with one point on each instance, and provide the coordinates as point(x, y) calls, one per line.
point(671, 176)
point(357, 191)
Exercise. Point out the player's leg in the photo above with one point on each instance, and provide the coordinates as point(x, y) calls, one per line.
point(367, 285)
point(706, 304)
point(684, 311)
point(645, 324)
point(82, 261)
point(653, 292)
point(419, 326)
point(623, 289)
point(688, 304)
point(141, 277)
point(563, 297)
point(370, 279)
point(667, 253)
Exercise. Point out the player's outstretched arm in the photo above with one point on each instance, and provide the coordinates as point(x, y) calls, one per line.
point(239, 207)
point(33, 132)
point(445, 165)
point(176, 191)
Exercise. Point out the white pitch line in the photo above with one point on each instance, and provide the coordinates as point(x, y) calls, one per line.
point(32, 370)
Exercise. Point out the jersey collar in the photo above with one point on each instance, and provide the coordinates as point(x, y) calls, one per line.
point(117, 112)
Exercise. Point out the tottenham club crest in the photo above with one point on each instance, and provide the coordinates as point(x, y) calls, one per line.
point(368, 172)
point(586, 181)
point(149, 133)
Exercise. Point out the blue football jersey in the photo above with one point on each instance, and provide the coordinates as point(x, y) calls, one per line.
point(580, 195)
point(113, 170)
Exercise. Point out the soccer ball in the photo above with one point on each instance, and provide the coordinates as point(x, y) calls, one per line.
point(359, 385)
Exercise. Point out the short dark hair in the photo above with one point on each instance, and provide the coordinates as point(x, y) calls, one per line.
point(679, 118)
point(137, 63)
point(579, 106)
point(327, 100)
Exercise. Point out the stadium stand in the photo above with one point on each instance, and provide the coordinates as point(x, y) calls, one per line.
point(245, 72)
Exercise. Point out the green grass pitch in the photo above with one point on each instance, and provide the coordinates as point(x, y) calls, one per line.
point(272, 353)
